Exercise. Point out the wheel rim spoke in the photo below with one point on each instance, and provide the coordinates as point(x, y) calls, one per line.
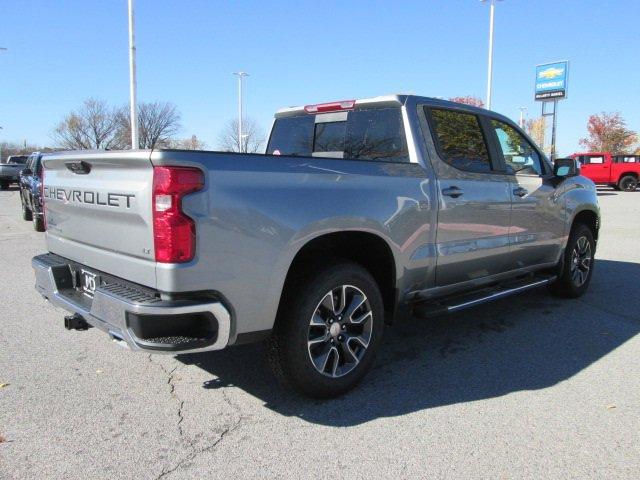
point(581, 261)
point(356, 302)
point(340, 331)
point(328, 303)
point(317, 320)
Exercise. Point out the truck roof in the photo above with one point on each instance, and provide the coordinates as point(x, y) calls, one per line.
point(397, 99)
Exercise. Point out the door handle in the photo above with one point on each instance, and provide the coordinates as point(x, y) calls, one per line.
point(453, 192)
point(520, 191)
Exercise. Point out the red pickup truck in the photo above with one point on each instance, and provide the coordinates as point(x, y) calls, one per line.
point(618, 171)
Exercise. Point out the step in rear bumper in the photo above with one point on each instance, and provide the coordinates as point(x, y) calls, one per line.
point(114, 304)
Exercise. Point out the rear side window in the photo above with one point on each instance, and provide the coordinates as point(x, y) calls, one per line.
point(460, 141)
point(627, 159)
point(375, 134)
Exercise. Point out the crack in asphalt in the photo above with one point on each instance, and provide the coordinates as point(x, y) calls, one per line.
point(199, 451)
point(180, 413)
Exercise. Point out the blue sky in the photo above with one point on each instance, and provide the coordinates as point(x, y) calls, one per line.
point(304, 51)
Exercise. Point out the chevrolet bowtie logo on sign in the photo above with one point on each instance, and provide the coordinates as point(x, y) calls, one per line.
point(551, 81)
point(550, 73)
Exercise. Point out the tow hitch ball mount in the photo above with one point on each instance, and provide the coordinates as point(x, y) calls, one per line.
point(75, 322)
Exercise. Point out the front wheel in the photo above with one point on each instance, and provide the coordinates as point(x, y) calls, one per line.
point(4, 185)
point(628, 183)
point(328, 330)
point(577, 268)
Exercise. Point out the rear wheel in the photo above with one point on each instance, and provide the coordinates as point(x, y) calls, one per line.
point(628, 183)
point(577, 268)
point(4, 185)
point(38, 223)
point(26, 213)
point(328, 330)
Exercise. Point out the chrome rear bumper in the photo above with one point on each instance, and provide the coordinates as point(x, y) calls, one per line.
point(119, 308)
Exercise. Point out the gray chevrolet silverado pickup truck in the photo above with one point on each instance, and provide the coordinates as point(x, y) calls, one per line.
point(360, 213)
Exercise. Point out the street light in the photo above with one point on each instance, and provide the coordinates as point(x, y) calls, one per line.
point(490, 61)
point(522, 110)
point(240, 76)
point(133, 103)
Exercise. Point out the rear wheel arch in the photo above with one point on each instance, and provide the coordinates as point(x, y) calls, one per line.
point(368, 250)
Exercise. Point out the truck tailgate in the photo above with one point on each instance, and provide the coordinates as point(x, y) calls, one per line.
point(98, 211)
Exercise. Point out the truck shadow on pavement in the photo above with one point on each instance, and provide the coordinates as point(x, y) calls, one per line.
point(527, 342)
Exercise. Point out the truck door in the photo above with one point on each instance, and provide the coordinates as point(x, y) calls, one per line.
point(596, 167)
point(537, 216)
point(474, 215)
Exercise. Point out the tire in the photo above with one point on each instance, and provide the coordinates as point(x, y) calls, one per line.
point(4, 185)
point(628, 183)
point(323, 345)
point(26, 213)
point(577, 264)
point(38, 223)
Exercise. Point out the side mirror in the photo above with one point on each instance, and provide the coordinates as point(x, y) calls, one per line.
point(27, 171)
point(566, 167)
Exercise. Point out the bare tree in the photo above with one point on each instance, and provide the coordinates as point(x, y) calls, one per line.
point(17, 148)
point(94, 126)
point(252, 137)
point(158, 122)
point(190, 143)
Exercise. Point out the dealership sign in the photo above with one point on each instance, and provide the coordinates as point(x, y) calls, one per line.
point(551, 81)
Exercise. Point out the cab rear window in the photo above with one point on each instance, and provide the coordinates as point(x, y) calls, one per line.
point(372, 134)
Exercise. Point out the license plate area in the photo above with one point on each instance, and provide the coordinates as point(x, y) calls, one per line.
point(88, 282)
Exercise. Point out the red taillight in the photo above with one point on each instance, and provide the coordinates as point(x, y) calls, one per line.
point(174, 233)
point(331, 107)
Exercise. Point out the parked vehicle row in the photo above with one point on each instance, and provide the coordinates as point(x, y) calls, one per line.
point(31, 190)
point(360, 212)
point(621, 172)
point(10, 171)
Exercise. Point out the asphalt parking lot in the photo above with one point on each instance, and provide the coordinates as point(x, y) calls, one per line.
point(528, 387)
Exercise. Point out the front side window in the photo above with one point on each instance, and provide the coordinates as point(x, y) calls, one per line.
point(460, 140)
point(519, 155)
point(595, 160)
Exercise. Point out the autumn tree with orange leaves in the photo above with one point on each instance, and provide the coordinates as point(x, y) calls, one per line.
point(608, 132)
point(468, 100)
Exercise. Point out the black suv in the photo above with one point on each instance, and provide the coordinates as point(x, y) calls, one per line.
point(30, 191)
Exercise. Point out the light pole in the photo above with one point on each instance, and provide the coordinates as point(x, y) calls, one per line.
point(490, 60)
point(2, 49)
point(133, 103)
point(522, 110)
point(240, 76)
